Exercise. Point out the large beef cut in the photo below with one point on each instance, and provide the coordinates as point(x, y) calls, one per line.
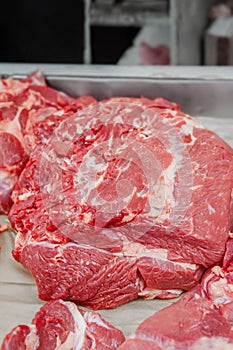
point(61, 325)
point(202, 319)
point(129, 198)
point(29, 111)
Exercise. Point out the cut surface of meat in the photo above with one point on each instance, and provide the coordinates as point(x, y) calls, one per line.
point(61, 325)
point(129, 198)
point(100, 279)
point(40, 124)
point(202, 319)
point(12, 161)
point(29, 111)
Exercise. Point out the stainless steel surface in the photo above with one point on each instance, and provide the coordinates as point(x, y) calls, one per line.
point(199, 90)
point(196, 97)
point(114, 71)
point(205, 93)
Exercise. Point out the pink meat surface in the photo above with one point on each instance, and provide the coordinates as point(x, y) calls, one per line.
point(231, 214)
point(201, 320)
point(154, 55)
point(129, 198)
point(29, 112)
point(61, 325)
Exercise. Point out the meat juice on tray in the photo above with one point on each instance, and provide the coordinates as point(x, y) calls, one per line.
point(120, 199)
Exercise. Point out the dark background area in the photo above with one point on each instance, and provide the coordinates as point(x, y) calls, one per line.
point(109, 43)
point(51, 31)
point(42, 31)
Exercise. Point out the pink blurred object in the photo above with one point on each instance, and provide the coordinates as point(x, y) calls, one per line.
point(220, 10)
point(158, 55)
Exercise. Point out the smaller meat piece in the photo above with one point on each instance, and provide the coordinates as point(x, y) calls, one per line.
point(61, 325)
point(191, 323)
point(17, 100)
point(29, 112)
point(202, 319)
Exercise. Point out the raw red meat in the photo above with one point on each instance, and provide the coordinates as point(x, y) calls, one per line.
point(154, 55)
point(17, 98)
point(191, 323)
point(202, 319)
point(29, 111)
point(61, 325)
point(231, 214)
point(129, 198)
point(12, 161)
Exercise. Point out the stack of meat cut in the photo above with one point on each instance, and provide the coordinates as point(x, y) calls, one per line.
point(120, 199)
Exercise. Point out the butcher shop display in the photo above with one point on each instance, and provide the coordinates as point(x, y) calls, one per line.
point(113, 200)
point(61, 325)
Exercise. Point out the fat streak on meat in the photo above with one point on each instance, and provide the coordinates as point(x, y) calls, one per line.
point(130, 198)
point(60, 325)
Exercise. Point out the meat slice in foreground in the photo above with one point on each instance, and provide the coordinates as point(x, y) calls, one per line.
point(128, 196)
point(61, 325)
point(200, 320)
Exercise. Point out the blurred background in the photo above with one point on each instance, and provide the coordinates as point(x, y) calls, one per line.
point(123, 32)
